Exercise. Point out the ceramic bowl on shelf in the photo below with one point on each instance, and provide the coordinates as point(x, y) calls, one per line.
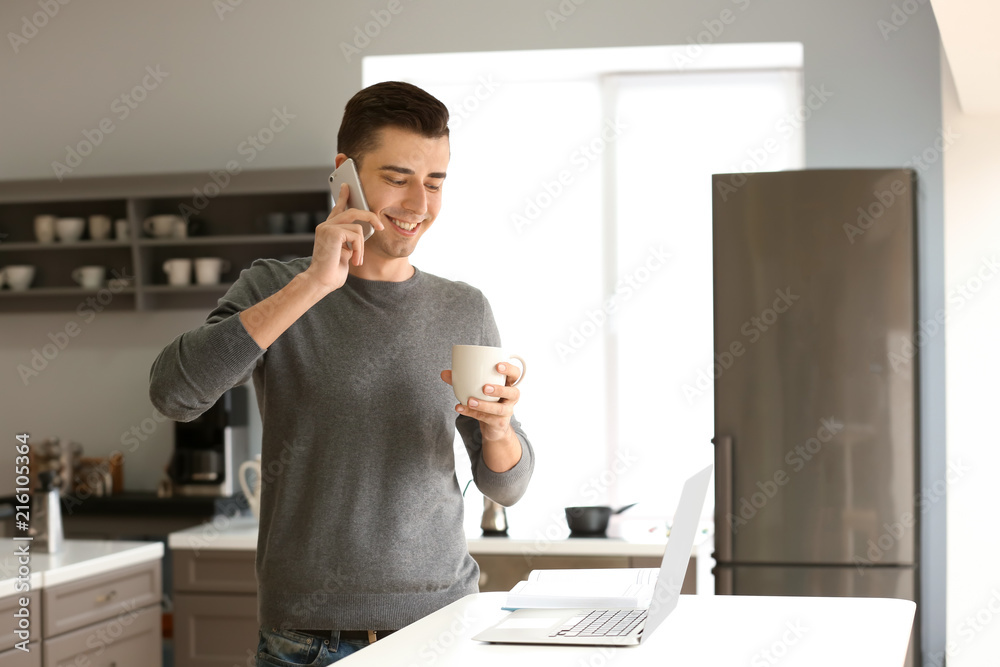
point(69, 230)
point(17, 276)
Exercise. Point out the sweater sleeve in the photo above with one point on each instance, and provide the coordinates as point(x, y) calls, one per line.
point(197, 367)
point(506, 487)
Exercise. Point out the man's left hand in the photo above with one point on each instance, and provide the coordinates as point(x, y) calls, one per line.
point(494, 416)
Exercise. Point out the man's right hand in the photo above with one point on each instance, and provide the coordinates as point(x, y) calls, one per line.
point(339, 242)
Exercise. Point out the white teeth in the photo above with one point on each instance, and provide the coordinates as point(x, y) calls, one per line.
point(408, 226)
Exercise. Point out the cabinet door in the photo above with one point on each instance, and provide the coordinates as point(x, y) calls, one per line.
point(17, 658)
point(107, 596)
point(11, 604)
point(131, 640)
point(214, 630)
point(215, 571)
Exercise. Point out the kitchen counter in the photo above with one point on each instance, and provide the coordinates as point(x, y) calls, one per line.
point(626, 539)
point(77, 560)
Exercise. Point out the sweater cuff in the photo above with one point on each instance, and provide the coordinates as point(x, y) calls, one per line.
point(507, 487)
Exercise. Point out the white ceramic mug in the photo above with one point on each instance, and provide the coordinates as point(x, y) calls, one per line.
point(100, 227)
point(161, 226)
point(70, 229)
point(121, 229)
point(253, 495)
point(209, 270)
point(17, 276)
point(45, 228)
point(89, 277)
point(178, 271)
point(473, 366)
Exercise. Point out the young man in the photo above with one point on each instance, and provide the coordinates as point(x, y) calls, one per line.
point(361, 514)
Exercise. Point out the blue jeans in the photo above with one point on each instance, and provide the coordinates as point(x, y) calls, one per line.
point(288, 648)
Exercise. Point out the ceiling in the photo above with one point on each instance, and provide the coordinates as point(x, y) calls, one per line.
point(968, 33)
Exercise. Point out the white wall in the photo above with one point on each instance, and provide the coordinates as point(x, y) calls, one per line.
point(226, 75)
point(972, 278)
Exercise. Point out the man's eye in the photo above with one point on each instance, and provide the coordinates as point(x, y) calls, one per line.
point(433, 188)
point(396, 182)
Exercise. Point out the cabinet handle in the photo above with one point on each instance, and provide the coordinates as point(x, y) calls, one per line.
point(107, 598)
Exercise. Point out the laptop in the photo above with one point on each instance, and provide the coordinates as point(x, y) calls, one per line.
point(615, 627)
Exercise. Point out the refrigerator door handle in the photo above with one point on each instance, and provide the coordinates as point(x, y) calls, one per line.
point(723, 508)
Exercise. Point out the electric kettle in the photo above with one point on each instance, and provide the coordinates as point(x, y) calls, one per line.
point(494, 518)
point(253, 495)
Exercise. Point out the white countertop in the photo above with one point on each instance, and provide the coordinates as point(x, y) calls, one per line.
point(702, 630)
point(627, 539)
point(78, 559)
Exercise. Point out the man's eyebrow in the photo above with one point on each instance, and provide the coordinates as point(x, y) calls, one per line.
point(409, 172)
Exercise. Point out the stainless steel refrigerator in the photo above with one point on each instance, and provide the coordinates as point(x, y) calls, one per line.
point(816, 384)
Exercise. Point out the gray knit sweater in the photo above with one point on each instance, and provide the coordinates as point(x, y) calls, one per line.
point(361, 512)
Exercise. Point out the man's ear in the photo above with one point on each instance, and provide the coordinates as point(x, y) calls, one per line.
point(339, 160)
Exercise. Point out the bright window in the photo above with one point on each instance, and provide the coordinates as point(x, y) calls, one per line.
point(578, 199)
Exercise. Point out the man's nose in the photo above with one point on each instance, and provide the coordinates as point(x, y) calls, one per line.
point(416, 199)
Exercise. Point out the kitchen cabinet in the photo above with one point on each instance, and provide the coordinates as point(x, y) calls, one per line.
point(93, 603)
point(215, 607)
point(215, 586)
point(230, 223)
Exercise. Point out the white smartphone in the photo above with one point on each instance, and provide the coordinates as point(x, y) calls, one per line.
point(348, 173)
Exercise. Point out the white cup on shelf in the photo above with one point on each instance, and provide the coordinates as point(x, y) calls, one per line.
point(209, 270)
point(17, 276)
point(100, 227)
point(121, 229)
point(45, 228)
point(69, 230)
point(178, 271)
point(89, 277)
point(161, 226)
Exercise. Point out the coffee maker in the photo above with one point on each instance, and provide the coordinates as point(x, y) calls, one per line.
point(209, 449)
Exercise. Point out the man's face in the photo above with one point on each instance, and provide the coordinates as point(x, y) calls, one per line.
point(402, 179)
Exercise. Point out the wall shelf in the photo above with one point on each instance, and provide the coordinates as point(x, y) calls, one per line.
point(232, 226)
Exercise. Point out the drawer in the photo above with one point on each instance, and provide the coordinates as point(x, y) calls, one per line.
point(100, 597)
point(214, 630)
point(215, 571)
point(131, 640)
point(8, 606)
point(17, 658)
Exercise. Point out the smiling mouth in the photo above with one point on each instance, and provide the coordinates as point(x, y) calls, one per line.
point(408, 227)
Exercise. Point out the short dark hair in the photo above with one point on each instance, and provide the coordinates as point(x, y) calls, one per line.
point(389, 104)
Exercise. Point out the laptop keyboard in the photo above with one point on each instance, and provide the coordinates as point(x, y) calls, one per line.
point(604, 623)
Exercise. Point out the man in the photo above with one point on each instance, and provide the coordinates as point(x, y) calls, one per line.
point(361, 515)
